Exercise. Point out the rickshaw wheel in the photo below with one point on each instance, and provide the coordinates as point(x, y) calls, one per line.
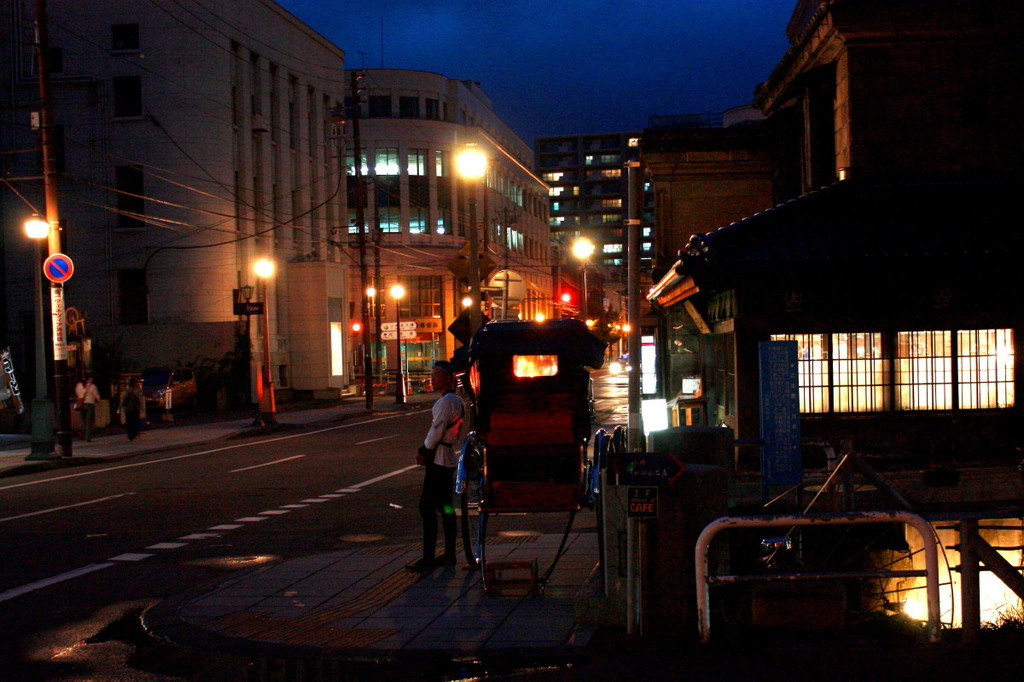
point(469, 501)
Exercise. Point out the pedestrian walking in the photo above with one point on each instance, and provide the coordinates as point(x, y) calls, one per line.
point(132, 408)
point(87, 395)
point(437, 455)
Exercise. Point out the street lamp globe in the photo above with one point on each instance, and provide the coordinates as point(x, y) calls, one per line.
point(264, 268)
point(397, 291)
point(471, 163)
point(583, 248)
point(37, 228)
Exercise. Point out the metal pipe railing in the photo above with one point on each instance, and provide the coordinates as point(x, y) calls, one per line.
point(918, 522)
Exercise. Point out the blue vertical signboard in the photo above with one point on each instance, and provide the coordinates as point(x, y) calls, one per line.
point(781, 454)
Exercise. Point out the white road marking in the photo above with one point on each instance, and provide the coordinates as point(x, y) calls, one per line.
point(266, 464)
point(378, 479)
point(201, 536)
point(294, 506)
point(130, 556)
point(67, 506)
point(348, 491)
point(374, 440)
point(151, 462)
point(274, 512)
point(46, 582)
point(139, 556)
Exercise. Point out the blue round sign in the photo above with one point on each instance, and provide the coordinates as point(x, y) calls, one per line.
point(58, 268)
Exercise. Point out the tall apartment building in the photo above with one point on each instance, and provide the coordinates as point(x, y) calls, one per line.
point(589, 198)
point(413, 125)
point(192, 140)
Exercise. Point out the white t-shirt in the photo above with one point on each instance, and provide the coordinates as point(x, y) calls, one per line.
point(444, 429)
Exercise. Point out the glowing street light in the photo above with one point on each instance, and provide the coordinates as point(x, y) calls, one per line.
point(397, 293)
point(471, 165)
point(583, 249)
point(264, 269)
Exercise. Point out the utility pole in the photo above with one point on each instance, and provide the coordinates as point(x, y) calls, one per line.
point(378, 284)
point(364, 305)
point(507, 218)
point(61, 387)
point(635, 213)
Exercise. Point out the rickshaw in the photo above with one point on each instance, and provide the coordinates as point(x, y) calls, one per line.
point(528, 385)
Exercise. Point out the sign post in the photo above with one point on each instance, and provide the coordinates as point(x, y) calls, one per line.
point(58, 268)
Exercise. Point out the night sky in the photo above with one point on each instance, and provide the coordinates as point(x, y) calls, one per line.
point(556, 67)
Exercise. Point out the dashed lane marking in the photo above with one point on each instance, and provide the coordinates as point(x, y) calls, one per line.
point(46, 582)
point(130, 556)
point(67, 506)
point(266, 464)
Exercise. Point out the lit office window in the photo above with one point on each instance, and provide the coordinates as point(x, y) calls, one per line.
point(386, 161)
point(859, 373)
point(389, 218)
point(985, 366)
point(417, 219)
point(924, 370)
point(337, 350)
point(812, 370)
point(417, 162)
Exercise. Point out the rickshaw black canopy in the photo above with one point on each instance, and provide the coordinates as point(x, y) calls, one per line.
point(565, 338)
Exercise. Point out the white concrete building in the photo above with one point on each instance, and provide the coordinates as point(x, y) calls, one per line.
point(413, 124)
point(193, 139)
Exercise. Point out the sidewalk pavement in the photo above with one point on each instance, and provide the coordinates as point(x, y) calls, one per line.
point(361, 611)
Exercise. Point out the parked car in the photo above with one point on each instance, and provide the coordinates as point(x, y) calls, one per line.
point(168, 388)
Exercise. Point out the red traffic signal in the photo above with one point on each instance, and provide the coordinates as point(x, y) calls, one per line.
point(355, 326)
point(566, 297)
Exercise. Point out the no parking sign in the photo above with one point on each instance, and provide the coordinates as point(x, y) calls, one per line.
point(58, 268)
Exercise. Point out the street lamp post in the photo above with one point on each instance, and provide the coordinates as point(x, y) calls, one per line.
point(38, 230)
point(255, 375)
point(472, 166)
point(583, 249)
point(369, 308)
point(265, 270)
point(397, 292)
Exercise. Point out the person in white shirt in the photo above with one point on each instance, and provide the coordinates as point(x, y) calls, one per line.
point(437, 454)
point(87, 396)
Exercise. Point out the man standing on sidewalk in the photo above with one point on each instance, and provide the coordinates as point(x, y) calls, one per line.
point(437, 454)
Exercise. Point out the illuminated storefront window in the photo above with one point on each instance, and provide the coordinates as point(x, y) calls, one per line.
point(924, 370)
point(859, 373)
point(985, 366)
point(812, 367)
point(851, 372)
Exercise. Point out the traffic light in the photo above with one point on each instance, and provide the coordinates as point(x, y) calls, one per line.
point(355, 326)
point(566, 297)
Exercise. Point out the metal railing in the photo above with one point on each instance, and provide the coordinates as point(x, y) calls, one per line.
point(704, 580)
